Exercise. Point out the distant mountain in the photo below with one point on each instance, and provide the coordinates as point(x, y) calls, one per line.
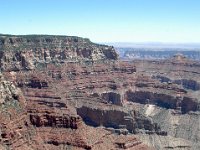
point(154, 45)
point(157, 53)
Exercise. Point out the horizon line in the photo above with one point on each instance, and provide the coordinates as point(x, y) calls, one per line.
point(108, 42)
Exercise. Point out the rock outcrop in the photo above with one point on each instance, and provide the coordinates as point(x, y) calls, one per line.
point(30, 51)
point(15, 126)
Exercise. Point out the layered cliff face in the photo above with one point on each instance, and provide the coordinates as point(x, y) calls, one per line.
point(52, 108)
point(47, 73)
point(35, 51)
point(90, 100)
point(123, 101)
point(15, 127)
point(183, 121)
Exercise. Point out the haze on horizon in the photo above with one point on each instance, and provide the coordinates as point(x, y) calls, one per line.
point(171, 21)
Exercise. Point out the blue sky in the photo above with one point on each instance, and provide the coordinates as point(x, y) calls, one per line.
point(105, 20)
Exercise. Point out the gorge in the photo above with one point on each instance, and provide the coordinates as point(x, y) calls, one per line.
point(63, 92)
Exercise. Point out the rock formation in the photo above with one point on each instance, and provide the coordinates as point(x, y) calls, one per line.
point(69, 93)
point(34, 51)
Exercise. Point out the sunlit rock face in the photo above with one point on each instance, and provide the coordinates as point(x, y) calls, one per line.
point(68, 93)
point(28, 52)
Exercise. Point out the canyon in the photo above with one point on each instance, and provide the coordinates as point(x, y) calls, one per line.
point(61, 92)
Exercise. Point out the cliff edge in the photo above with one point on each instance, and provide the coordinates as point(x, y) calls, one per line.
point(30, 51)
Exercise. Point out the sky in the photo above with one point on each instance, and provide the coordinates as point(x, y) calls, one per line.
point(176, 21)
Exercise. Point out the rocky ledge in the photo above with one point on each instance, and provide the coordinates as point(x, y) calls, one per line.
point(30, 51)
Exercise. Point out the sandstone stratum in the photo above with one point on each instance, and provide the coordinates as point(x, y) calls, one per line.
point(61, 92)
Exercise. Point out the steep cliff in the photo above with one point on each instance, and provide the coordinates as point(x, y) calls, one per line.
point(181, 121)
point(48, 71)
point(30, 51)
point(15, 127)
